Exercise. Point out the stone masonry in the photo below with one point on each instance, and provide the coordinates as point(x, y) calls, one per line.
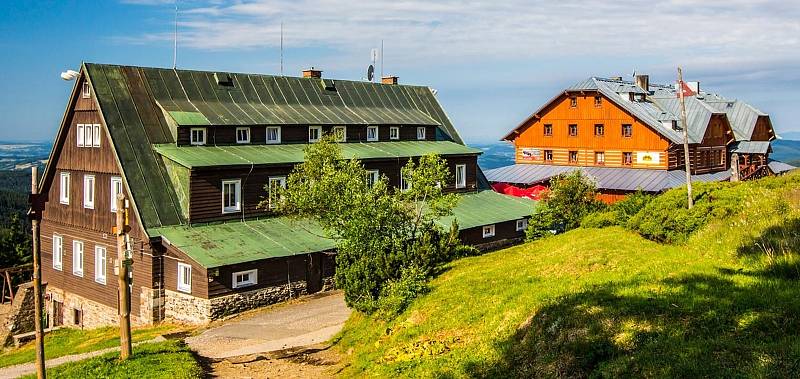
point(21, 317)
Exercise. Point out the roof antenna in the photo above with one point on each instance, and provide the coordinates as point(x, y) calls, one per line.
point(281, 48)
point(175, 39)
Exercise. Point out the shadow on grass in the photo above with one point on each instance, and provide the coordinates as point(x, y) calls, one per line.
point(776, 251)
point(693, 326)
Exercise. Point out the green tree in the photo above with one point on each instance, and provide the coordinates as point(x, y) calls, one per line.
point(380, 232)
point(571, 197)
point(15, 243)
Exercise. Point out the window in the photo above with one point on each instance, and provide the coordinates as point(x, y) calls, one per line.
point(599, 130)
point(522, 224)
point(273, 134)
point(245, 278)
point(548, 129)
point(421, 132)
point(461, 176)
point(184, 278)
point(599, 158)
point(372, 177)
point(100, 258)
point(116, 189)
point(231, 196)
point(197, 136)
point(488, 231)
point(79, 133)
point(627, 158)
point(573, 157)
point(58, 252)
point(372, 133)
point(573, 130)
point(276, 183)
point(96, 135)
point(313, 133)
point(340, 133)
point(394, 132)
point(598, 101)
point(63, 196)
point(88, 136)
point(242, 135)
point(77, 258)
point(405, 184)
point(85, 91)
point(573, 102)
point(548, 156)
point(88, 191)
point(627, 130)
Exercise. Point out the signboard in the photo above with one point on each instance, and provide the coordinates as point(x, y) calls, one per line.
point(530, 154)
point(647, 158)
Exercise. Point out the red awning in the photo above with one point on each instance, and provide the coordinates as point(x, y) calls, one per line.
point(534, 192)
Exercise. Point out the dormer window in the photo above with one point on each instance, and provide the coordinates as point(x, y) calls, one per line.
point(197, 136)
point(242, 135)
point(85, 90)
point(273, 134)
point(573, 102)
point(372, 133)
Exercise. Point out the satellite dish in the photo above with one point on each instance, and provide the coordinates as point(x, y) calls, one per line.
point(69, 75)
point(370, 72)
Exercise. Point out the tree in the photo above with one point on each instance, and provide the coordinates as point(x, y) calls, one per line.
point(380, 232)
point(15, 243)
point(571, 197)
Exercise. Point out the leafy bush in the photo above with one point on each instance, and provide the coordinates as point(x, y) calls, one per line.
point(600, 219)
point(618, 213)
point(398, 294)
point(571, 197)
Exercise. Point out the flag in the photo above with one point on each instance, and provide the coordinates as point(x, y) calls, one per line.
point(685, 88)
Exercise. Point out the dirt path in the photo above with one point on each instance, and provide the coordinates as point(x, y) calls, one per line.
point(316, 361)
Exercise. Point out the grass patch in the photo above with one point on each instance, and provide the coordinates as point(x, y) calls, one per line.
point(68, 341)
point(170, 359)
point(609, 303)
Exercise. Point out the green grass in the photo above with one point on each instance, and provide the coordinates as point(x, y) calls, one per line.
point(168, 359)
point(68, 341)
point(609, 303)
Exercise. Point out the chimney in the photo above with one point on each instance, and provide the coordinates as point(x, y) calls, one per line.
point(312, 73)
point(643, 81)
point(389, 80)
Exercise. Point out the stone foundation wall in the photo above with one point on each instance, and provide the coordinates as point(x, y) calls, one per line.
point(186, 308)
point(328, 284)
point(239, 302)
point(21, 318)
point(93, 314)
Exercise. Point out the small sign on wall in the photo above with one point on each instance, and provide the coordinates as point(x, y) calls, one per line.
point(531, 154)
point(648, 158)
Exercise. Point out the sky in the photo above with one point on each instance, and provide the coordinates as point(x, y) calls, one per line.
point(492, 62)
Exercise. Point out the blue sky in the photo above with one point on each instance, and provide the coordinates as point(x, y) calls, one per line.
point(492, 63)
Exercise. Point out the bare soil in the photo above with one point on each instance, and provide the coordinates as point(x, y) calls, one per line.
point(316, 361)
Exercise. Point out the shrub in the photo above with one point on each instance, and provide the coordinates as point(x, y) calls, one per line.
point(571, 197)
point(600, 219)
point(398, 294)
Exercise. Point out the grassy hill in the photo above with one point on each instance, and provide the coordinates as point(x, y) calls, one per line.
point(609, 303)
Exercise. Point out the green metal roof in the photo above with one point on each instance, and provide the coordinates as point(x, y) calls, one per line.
point(221, 244)
point(231, 155)
point(141, 105)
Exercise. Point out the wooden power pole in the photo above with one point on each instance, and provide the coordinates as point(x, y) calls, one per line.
point(36, 215)
point(685, 140)
point(124, 293)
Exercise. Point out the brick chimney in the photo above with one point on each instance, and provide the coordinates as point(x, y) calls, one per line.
point(643, 81)
point(312, 73)
point(389, 80)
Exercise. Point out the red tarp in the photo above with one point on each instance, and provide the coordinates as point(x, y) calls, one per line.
point(534, 192)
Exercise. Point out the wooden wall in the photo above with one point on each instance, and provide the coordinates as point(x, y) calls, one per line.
point(710, 155)
point(763, 130)
point(226, 135)
point(502, 231)
point(560, 115)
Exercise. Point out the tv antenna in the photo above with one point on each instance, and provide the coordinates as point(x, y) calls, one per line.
point(175, 39)
point(371, 68)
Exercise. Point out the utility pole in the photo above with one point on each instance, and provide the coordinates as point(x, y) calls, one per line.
point(124, 294)
point(685, 140)
point(36, 215)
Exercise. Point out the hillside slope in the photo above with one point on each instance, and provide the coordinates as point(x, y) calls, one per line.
point(606, 302)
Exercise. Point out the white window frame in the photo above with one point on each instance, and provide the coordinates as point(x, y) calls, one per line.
point(192, 140)
point(77, 258)
point(344, 133)
point(64, 184)
point(394, 132)
point(405, 185)
point(88, 196)
point(88, 135)
point(373, 176)
point(58, 252)
point(420, 132)
point(376, 136)
point(96, 135)
point(318, 130)
point(79, 133)
point(282, 183)
point(252, 278)
point(278, 128)
point(86, 91)
point(100, 264)
point(488, 231)
point(246, 131)
point(237, 195)
point(461, 176)
point(116, 189)
point(184, 281)
point(522, 224)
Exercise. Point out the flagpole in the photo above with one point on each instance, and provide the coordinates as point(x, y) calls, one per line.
point(685, 140)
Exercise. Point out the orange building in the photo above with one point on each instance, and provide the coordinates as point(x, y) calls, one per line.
point(628, 136)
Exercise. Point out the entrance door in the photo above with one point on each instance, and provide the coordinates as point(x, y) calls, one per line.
point(58, 313)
